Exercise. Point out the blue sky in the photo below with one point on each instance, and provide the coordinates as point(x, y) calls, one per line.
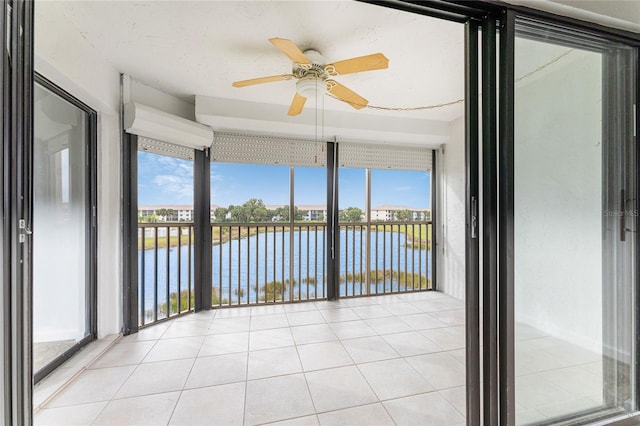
point(167, 180)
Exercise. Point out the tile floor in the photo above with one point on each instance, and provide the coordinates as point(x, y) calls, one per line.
point(396, 359)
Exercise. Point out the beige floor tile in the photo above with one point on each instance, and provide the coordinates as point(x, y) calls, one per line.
point(277, 398)
point(456, 397)
point(401, 308)
point(171, 349)
point(352, 329)
point(315, 333)
point(440, 369)
point(267, 310)
point(218, 370)
point(224, 403)
point(156, 377)
point(447, 338)
point(93, 385)
point(394, 378)
point(298, 421)
point(422, 321)
point(230, 325)
point(124, 354)
point(270, 339)
point(371, 311)
point(80, 415)
point(273, 362)
point(152, 332)
point(219, 344)
point(454, 317)
point(266, 322)
point(305, 318)
point(367, 349)
point(411, 343)
point(318, 356)
point(339, 315)
point(338, 388)
point(429, 409)
point(373, 414)
point(388, 325)
point(186, 329)
point(149, 410)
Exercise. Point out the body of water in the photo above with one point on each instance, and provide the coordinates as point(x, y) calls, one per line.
point(245, 270)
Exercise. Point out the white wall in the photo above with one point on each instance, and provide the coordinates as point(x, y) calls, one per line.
point(451, 267)
point(70, 62)
point(558, 201)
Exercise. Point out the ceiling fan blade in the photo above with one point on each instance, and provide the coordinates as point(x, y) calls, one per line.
point(377, 61)
point(261, 80)
point(291, 50)
point(297, 104)
point(346, 95)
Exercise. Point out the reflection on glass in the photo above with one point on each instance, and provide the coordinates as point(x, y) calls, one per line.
point(572, 355)
point(60, 228)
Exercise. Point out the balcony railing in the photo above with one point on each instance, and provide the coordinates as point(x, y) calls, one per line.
point(392, 257)
point(259, 263)
point(266, 263)
point(165, 270)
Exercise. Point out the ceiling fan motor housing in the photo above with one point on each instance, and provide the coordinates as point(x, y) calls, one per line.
point(311, 80)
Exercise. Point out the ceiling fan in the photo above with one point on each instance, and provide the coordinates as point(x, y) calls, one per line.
point(313, 75)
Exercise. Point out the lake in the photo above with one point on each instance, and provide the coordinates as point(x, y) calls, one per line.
point(242, 267)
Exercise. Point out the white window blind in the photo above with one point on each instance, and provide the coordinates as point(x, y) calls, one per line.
point(236, 147)
point(164, 148)
point(253, 148)
point(376, 156)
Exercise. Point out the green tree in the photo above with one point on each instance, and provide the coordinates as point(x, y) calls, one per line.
point(298, 214)
point(161, 213)
point(149, 219)
point(282, 214)
point(220, 214)
point(168, 215)
point(351, 214)
point(404, 215)
point(253, 210)
point(238, 214)
point(256, 210)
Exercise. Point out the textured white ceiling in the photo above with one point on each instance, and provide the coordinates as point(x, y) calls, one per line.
point(199, 48)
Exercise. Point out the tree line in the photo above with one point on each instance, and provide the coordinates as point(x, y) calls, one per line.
point(254, 210)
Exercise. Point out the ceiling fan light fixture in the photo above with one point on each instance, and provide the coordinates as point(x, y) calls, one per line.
point(311, 85)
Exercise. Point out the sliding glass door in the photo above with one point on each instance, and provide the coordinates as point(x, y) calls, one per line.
point(574, 225)
point(63, 223)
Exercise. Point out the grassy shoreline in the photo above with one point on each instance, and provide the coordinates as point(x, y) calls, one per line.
point(416, 238)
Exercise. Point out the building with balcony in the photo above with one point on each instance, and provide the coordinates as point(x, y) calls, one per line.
point(390, 213)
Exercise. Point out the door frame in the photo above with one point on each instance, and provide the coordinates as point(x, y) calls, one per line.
point(17, 140)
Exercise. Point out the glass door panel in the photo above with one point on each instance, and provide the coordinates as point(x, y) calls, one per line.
point(60, 226)
point(574, 239)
